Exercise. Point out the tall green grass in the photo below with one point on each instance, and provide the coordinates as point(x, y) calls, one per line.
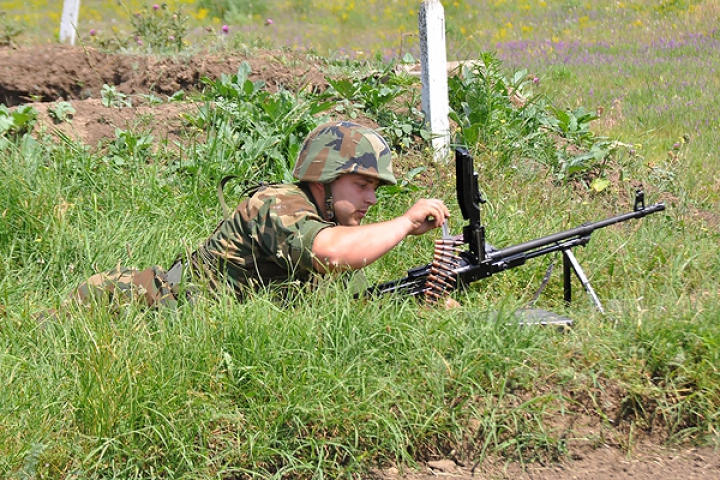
point(326, 385)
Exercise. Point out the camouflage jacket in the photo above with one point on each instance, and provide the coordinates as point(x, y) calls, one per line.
point(268, 239)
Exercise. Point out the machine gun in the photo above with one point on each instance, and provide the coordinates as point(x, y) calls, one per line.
point(454, 266)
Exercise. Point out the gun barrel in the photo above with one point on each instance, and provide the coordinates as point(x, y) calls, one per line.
point(581, 231)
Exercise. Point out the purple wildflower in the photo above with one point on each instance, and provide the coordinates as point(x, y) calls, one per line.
point(269, 21)
point(225, 29)
point(93, 32)
point(156, 7)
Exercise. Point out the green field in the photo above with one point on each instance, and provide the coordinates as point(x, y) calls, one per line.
point(328, 386)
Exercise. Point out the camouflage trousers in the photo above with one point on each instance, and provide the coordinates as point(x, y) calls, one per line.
point(150, 287)
point(123, 285)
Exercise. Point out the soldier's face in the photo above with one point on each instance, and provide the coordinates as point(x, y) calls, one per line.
point(353, 195)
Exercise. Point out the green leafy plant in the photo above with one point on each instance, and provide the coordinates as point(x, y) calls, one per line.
point(370, 94)
point(380, 96)
point(571, 124)
point(252, 132)
point(578, 150)
point(61, 112)
point(499, 113)
point(159, 28)
point(111, 97)
point(151, 99)
point(18, 122)
point(129, 145)
point(502, 117)
point(234, 87)
point(9, 30)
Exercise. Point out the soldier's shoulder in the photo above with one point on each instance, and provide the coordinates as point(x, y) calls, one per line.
point(279, 191)
point(283, 199)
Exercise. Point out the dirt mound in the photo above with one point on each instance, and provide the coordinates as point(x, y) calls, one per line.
point(41, 75)
point(47, 73)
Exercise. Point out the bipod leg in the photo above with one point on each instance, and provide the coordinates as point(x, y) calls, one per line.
point(570, 263)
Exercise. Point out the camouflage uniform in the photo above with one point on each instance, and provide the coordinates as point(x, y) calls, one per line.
point(269, 237)
point(124, 285)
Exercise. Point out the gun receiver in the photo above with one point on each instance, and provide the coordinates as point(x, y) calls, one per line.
point(453, 268)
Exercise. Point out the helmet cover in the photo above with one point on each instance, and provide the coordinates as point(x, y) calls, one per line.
point(340, 147)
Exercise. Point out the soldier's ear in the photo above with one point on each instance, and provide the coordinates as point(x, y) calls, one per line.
point(318, 191)
point(317, 188)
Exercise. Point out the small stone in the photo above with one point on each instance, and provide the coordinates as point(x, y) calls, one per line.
point(442, 465)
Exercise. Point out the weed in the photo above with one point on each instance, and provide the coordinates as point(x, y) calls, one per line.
point(159, 28)
point(498, 112)
point(112, 98)
point(129, 146)
point(9, 30)
point(18, 122)
point(156, 28)
point(61, 112)
point(501, 115)
point(377, 96)
point(254, 133)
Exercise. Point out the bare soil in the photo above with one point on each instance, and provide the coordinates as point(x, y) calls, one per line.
point(648, 462)
point(44, 75)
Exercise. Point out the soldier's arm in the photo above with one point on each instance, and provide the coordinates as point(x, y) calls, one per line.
point(344, 248)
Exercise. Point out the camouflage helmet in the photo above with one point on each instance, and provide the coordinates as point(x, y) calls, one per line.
point(336, 148)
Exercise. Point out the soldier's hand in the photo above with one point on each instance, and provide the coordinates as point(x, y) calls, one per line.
point(427, 214)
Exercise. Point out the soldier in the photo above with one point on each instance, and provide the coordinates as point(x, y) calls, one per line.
point(294, 231)
point(288, 232)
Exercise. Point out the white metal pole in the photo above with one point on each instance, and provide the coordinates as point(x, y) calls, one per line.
point(433, 62)
point(68, 22)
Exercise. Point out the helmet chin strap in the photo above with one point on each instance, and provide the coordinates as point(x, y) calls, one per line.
point(329, 204)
